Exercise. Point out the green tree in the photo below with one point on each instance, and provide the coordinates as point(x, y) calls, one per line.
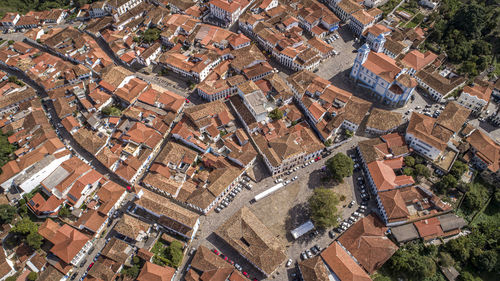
point(328, 142)
point(409, 161)
point(484, 260)
point(323, 207)
point(112, 111)
point(422, 170)
point(6, 149)
point(411, 261)
point(64, 212)
point(446, 183)
point(340, 166)
point(11, 278)
point(445, 259)
point(34, 240)
point(174, 253)
point(408, 171)
point(475, 197)
point(32, 276)
point(349, 133)
point(132, 272)
point(7, 213)
point(151, 35)
point(24, 227)
point(276, 114)
point(458, 169)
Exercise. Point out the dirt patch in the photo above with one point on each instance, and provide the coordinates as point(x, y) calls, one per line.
point(273, 210)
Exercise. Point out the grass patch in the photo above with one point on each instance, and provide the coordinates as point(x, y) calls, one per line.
point(491, 214)
point(416, 20)
point(389, 6)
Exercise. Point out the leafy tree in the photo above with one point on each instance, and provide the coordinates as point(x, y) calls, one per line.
point(11, 278)
point(446, 183)
point(132, 272)
point(382, 278)
point(112, 111)
point(328, 142)
point(349, 133)
point(484, 260)
point(422, 170)
point(409, 161)
point(64, 212)
point(34, 240)
point(151, 35)
point(7, 213)
point(412, 261)
point(276, 114)
point(445, 259)
point(340, 166)
point(24, 227)
point(174, 253)
point(323, 207)
point(458, 169)
point(6, 149)
point(32, 276)
point(409, 171)
point(475, 197)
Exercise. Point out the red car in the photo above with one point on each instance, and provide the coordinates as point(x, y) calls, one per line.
point(90, 266)
point(245, 273)
point(226, 259)
point(230, 261)
point(187, 100)
point(216, 252)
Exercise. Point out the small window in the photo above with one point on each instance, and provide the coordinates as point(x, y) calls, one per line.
point(245, 241)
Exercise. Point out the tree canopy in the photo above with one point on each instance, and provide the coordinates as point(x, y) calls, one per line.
point(340, 166)
point(468, 32)
point(6, 149)
point(7, 213)
point(323, 207)
point(276, 114)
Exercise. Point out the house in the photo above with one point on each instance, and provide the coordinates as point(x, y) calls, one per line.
point(380, 74)
point(205, 264)
point(120, 7)
point(313, 269)
point(366, 242)
point(92, 221)
point(476, 97)
point(154, 272)
point(438, 86)
point(485, 154)
point(228, 11)
point(68, 244)
point(170, 216)
point(341, 265)
point(381, 122)
point(151, 53)
point(429, 136)
point(259, 246)
point(416, 60)
point(73, 181)
point(9, 20)
point(131, 229)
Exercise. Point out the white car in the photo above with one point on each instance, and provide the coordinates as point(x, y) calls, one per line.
point(289, 262)
point(295, 178)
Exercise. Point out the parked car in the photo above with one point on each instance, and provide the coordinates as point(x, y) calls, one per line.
point(288, 263)
point(218, 209)
point(318, 248)
point(303, 256)
point(309, 254)
point(216, 252)
point(90, 266)
point(351, 204)
point(237, 266)
point(332, 234)
point(314, 251)
point(295, 178)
